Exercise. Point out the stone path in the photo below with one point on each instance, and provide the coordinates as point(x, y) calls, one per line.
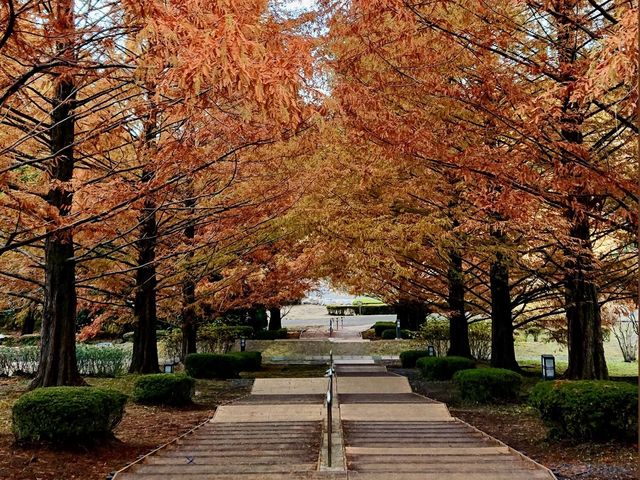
point(381, 431)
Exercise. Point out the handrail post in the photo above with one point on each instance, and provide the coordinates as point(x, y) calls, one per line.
point(330, 374)
point(329, 424)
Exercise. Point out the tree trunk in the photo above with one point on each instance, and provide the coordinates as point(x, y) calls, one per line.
point(402, 313)
point(458, 327)
point(584, 324)
point(189, 324)
point(29, 323)
point(417, 315)
point(503, 353)
point(57, 364)
point(275, 318)
point(257, 317)
point(145, 346)
point(189, 319)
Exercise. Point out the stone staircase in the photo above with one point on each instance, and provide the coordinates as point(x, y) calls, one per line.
point(381, 431)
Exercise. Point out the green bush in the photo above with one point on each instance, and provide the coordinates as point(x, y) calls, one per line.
point(480, 340)
point(486, 385)
point(215, 338)
point(67, 414)
point(390, 334)
point(380, 327)
point(249, 361)
point(443, 368)
point(102, 361)
point(271, 334)
point(164, 389)
point(409, 357)
point(211, 365)
point(587, 410)
point(435, 331)
point(19, 360)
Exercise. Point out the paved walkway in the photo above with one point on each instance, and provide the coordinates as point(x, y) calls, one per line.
point(381, 431)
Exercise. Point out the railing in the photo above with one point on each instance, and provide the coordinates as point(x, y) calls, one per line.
point(330, 374)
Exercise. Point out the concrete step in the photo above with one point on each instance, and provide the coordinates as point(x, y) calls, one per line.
point(198, 450)
point(456, 467)
point(194, 468)
point(231, 460)
point(383, 398)
point(532, 475)
point(236, 476)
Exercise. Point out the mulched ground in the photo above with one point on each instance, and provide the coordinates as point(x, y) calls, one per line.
point(520, 427)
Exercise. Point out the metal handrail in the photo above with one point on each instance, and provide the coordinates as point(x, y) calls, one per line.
point(330, 374)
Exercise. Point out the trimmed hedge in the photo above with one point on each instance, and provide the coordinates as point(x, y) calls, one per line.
point(486, 385)
point(443, 368)
point(279, 334)
point(390, 334)
point(587, 410)
point(164, 389)
point(249, 361)
point(409, 357)
point(211, 365)
point(67, 414)
point(380, 327)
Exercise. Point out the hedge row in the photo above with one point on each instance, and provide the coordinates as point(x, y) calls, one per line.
point(211, 365)
point(271, 334)
point(443, 368)
point(390, 334)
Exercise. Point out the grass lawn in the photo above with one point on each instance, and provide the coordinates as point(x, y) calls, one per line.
point(528, 355)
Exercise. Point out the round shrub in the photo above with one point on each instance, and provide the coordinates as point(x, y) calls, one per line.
point(67, 414)
point(390, 334)
point(380, 327)
point(211, 365)
point(443, 368)
point(164, 389)
point(409, 357)
point(587, 410)
point(249, 361)
point(486, 385)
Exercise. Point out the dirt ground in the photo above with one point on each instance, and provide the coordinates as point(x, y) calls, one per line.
point(520, 427)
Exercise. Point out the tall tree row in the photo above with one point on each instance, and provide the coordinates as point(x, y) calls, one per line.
point(518, 103)
point(109, 114)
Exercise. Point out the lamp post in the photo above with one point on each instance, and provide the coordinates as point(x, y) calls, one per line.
point(431, 351)
point(168, 367)
point(548, 363)
point(397, 329)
